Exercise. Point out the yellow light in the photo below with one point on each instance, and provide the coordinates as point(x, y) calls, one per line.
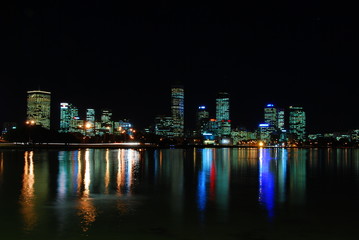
point(32, 122)
point(88, 125)
point(261, 144)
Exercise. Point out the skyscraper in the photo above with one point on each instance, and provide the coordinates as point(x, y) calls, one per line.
point(202, 120)
point(106, 121)
point(271, 117)
point(38, 108)
point(222, 114)
point(177, 110)
point(69, 118)
point(297, 123)
point(65, 118)
point(90, 121)
point(281, 119)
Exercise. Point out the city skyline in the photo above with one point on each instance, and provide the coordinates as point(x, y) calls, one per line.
point(220, 112)
point(126, 58)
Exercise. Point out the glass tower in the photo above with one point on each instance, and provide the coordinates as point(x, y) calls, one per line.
point(222, 114)
point(177, 110)
point(38, 108)
point(281, 119)
point(65, 118)
point(106, 121)
point(202, 119)
point(90, 122)
point(297, 123)
point(69, 119)
point(270, 116)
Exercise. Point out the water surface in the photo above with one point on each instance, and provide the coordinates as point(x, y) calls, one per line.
point(179, 194)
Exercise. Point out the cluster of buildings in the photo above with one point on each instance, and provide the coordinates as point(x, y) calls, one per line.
point(280, 126)
point(71, 122)
point(39, 110)
point(219, 130)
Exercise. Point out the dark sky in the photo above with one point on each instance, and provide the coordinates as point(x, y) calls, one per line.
point(124, 56)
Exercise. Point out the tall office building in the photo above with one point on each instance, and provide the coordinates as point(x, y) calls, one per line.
point(106, 121)
point(202, 120)
point(281, 119)
point(69, 118)
point(177, 110)
point(270, 116)
point(90, 122)
point(65, 118)
point(38, 108)
point(297, 123)
point(222, 114)
point(264, 132)
point(274, 117)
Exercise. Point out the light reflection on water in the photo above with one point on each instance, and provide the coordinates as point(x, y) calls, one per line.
point(27, 198)
point(90, 191)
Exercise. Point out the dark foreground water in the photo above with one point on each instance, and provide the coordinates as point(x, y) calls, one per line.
point(180, 194)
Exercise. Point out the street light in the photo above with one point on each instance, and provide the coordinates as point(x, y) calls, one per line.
point(30, 123)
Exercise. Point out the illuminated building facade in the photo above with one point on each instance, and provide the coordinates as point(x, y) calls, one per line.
point(270, 117)
point(297, 123)
point(163, 126)
point(281, 119)
point(264, 132)
point(222, 114)
point(213, 127)
point(90, 122)
point(65, 118)
point(69, 118)
point(202, 119)
point(106, 122)
point(38, 108)
point(177, 110)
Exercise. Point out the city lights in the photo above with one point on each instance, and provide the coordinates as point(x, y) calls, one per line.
point(281, 127)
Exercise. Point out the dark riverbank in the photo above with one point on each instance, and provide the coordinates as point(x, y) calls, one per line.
point(133, 145)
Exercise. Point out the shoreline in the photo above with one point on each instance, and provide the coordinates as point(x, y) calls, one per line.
point(135, 145)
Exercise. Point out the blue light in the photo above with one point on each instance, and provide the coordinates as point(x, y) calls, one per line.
point(270, 105)
point(266, 182)
point(202, 107)
point(264, 125)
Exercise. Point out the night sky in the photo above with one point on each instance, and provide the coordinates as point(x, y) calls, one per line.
point(125, 56)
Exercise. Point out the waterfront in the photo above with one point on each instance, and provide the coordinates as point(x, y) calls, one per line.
point(195, 193)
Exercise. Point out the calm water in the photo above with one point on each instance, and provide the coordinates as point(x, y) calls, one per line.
point(180, 194)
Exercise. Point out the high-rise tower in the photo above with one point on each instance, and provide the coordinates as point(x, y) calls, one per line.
point(177, 110)
point(222, 114)
point(69, 118)
point(38, 108)
point(297, 123)
point(90, 121)
point(270, 116)
point(202, 119)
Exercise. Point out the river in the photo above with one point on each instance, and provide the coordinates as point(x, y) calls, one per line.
point(199, 193)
